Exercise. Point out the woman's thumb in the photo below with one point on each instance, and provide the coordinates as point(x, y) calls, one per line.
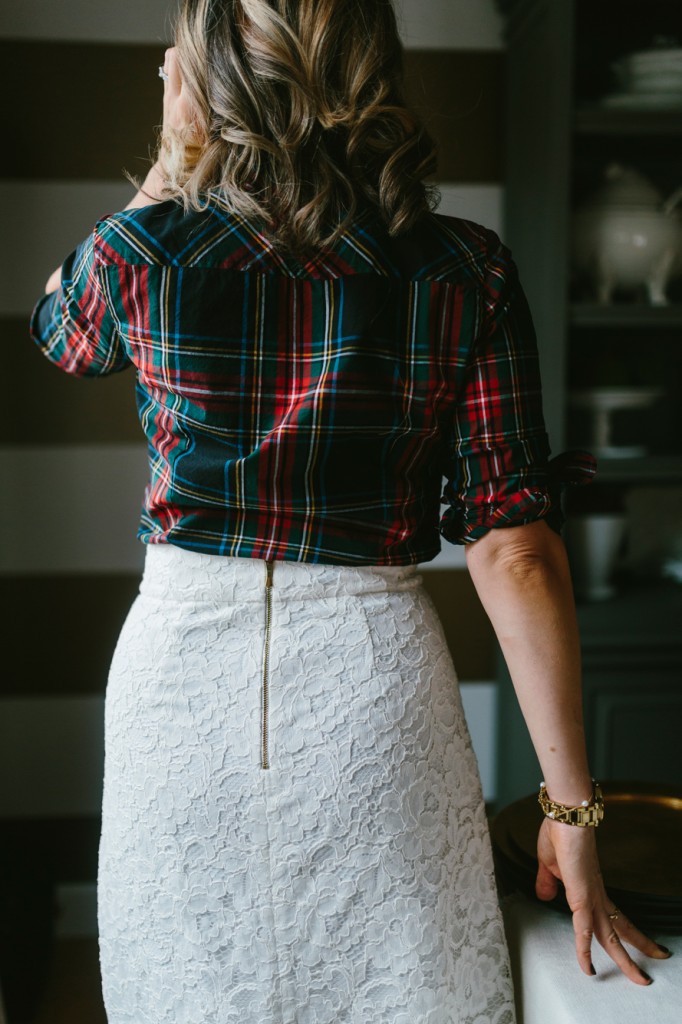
point(546, 884)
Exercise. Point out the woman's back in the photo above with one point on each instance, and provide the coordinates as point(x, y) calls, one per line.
point(302, 408)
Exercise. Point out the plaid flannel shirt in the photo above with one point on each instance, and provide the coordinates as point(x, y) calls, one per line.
point(312, 410)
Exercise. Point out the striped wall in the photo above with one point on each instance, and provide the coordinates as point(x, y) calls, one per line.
point(72, 456)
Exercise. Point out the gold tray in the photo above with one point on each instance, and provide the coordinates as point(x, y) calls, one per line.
point(639, 841)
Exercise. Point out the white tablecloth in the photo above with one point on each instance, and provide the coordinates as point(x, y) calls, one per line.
point(551, 988)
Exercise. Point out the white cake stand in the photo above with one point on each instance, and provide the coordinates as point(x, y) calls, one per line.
point(602, 402)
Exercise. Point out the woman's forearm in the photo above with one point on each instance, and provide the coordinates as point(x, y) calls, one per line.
point(522, 577)
point(150, 192)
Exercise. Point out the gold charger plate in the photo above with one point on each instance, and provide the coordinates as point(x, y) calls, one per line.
point(639, 841)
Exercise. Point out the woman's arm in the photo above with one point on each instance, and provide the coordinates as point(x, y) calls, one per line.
point(522, 577)
point(149, 193)
point(177, 114)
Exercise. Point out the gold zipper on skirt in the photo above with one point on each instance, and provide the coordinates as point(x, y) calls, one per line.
point(265, 696)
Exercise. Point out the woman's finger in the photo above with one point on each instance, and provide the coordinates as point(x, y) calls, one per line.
point(584, 930)
point(546, 883)
point(629, 933)
point(608, 937)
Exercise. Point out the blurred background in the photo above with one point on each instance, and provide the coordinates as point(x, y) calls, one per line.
point(550, 133)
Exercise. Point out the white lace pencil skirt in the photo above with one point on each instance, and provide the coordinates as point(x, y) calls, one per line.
point(293, 829)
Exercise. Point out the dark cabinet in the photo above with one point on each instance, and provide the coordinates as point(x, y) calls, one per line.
point(561, 136)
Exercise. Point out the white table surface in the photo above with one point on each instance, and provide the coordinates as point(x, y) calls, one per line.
point(551, 989)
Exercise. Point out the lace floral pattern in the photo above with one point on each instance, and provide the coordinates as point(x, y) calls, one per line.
point(349, 883)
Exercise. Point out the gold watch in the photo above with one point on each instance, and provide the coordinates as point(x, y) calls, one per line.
point(589, 813)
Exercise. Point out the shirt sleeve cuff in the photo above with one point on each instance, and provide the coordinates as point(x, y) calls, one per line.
point(462, 524)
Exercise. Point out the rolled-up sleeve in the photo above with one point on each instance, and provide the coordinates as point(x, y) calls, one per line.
point(498, 468)
point(73, 325)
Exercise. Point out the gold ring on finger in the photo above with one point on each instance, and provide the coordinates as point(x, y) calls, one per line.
point(614, 916)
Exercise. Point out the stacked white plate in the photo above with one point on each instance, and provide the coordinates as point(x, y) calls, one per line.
point(649, 80)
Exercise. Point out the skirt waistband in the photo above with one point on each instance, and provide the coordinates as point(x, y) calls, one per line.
point(172, 572)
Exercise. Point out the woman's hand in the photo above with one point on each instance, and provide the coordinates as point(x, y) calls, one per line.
point(177, 114)
point(177, 107)
point(569, 853)
point(53, 281)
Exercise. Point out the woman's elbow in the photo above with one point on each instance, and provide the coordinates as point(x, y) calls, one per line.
point(523, 552)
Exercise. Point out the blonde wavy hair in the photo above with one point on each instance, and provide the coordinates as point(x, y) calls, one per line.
point(299, 118)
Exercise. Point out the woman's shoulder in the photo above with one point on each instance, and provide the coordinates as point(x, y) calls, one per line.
point(436, 248)
point(153, 234)
point(466, 235)
point(454, 249)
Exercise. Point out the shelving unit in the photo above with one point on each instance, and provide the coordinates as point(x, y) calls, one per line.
point(559, 142)
point(653, 469)
point(595, 120)
point(630, 316)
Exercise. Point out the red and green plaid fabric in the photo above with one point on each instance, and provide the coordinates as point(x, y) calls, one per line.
point(312, 410)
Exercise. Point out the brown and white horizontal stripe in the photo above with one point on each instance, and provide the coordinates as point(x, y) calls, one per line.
point(82, 97)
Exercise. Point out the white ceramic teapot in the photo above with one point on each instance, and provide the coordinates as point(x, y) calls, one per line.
point(625, 236)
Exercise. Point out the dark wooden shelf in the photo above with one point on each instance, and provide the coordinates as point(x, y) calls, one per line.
point(646, 469)
point(599, 120)
point(625, 315)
